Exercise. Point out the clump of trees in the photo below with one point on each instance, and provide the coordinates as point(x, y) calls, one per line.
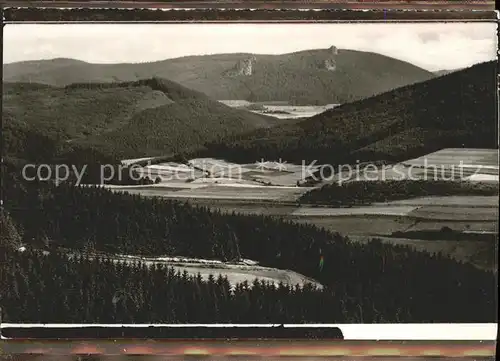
point(366, 192)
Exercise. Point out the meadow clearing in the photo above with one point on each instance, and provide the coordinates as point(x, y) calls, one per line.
point(280, 110)
point(236, 272)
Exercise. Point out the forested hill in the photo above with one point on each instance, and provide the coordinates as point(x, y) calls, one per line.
point(132, 119)
point(454, 110)
point(319, 76)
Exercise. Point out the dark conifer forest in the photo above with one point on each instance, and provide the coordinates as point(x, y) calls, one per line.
point(372, 282)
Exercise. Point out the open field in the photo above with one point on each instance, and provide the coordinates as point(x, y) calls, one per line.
point(453, 157)
point(209, 178)
point(483, 178)
point(456, 213)
point(211, 170)
point(480, 254)
point(418, 171)
point(475, 165)
point(354, 211)
point(231, 192)
point(362, 224)
point(368, 226)
point(451, 201)
point(218, 192)
point(280, 110)
point(269, 188)
point(382, 220)
point(462, 226)
point(135, 160)
point(238, 272)
point(480, 213)
point(165, 186)
point(466, 163)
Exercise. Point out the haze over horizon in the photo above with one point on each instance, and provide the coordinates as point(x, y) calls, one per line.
point(432, 46)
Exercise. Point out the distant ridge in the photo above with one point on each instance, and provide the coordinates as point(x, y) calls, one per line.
point(319, 76)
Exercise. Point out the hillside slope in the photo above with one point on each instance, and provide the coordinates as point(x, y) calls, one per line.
point(321, 76)
point(455, 110)
point(445, 71)
point(147, 117)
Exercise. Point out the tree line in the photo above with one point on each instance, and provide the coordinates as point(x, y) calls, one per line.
point(366, 192)
point(102, 291)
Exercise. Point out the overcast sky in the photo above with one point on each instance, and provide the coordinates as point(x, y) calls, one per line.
point(432, 46)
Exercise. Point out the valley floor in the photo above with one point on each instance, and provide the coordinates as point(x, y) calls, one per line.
point(248, 191)
point(473, 214)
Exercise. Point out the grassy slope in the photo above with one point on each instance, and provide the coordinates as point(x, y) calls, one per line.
point(454, 110)
point(299, 77)
point(147, 117)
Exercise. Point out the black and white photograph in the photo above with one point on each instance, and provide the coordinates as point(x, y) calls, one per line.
point(278, 173)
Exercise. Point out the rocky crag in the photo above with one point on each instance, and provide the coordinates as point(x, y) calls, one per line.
point(243, 67)
point(330, 63)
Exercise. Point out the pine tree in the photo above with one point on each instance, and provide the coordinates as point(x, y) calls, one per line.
point(9, 235)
